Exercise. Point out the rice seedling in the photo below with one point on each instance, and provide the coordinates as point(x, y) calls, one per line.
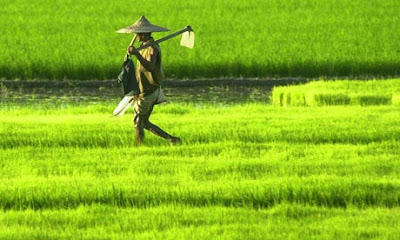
point(310, 38)
point(260, 124)
point(344, 92)
point(60, 160)
point(251, 171)
point(182, 222)
point(396, 99)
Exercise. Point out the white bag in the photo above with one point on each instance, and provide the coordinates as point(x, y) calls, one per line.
point(125, 103)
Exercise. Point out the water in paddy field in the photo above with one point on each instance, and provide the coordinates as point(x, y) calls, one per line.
point(224, 92)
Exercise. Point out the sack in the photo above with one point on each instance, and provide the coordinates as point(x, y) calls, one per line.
point(127, 77)
point(125, 103)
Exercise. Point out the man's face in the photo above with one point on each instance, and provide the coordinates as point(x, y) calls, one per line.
point(143, 37)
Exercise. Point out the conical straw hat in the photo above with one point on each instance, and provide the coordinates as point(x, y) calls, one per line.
point(142, 26)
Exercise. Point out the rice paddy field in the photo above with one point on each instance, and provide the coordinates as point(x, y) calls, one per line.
point(243, 171)
point(70, 39)
point(318, 160)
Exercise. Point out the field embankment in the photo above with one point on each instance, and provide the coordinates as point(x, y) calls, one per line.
point(312, 38)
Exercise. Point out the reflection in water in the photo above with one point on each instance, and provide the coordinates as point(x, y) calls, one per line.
point(112, 93)
point(217, 94)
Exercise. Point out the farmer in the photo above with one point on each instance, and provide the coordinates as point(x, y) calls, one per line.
point(150, 74)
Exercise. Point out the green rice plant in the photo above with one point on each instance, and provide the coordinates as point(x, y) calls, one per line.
point(277, 97)
point(310, 38)
point(181, 222)
point(206, 175)
point(345, 92)
point(365, 100)
point(56, 159)
point(250, 171)
point(324, 99)
point(396, 99)
point(259, 124)
point(288, 98)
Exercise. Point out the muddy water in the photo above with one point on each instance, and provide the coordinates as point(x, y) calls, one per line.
point(206, 91)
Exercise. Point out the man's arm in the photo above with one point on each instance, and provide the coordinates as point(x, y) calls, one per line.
point(149, 65)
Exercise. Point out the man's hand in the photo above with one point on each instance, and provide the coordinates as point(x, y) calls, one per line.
point(132, 50)
point(147, 64)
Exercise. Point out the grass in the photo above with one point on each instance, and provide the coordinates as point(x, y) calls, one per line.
point(250, 123)
point(310, 38)
point(344, 92)
point(180, 222)
point(262, 176)
point(256, 170)
point(253, 171)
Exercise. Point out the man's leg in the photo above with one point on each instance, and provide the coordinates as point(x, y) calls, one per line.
point(139, 128)
point(157, 130)
point(161, 133)
point(141, 111)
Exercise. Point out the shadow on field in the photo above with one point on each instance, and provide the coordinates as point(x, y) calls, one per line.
point(327, 70)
